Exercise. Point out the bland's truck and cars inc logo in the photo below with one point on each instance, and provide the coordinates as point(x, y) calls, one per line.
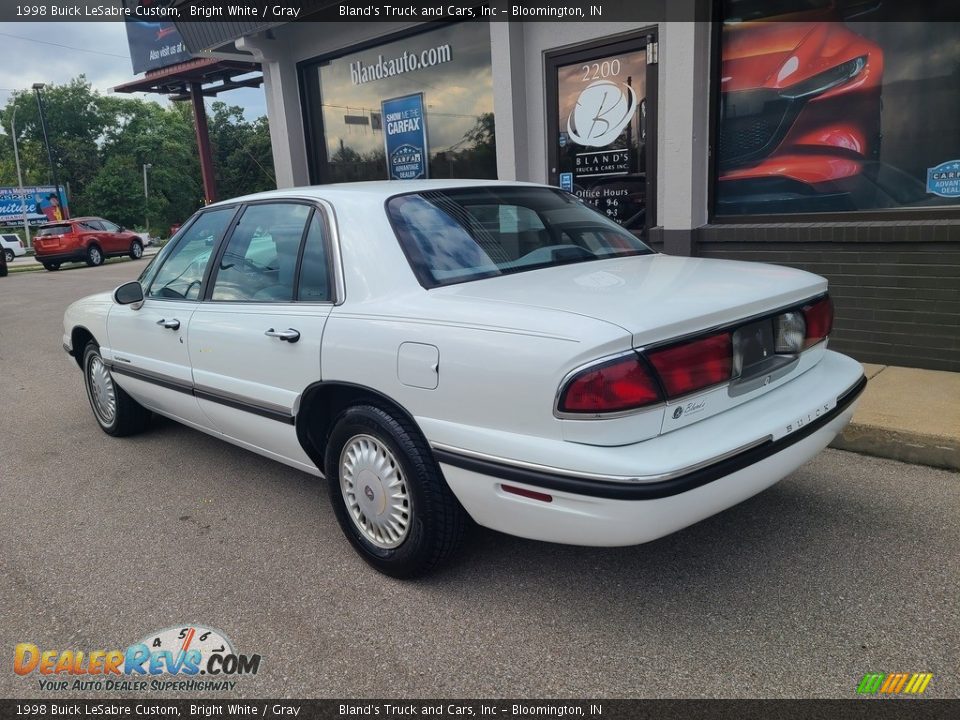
point(183, 657)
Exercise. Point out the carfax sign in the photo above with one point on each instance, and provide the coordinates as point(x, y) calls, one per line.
point(405, 137)
point(944, 179)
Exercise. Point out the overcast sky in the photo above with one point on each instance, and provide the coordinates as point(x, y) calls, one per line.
point(96, 49)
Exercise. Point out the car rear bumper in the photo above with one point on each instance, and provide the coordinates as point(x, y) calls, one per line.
point(605, 510)
point(75, 256)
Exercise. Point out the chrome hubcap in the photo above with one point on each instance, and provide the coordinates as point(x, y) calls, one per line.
point(102, 393)
point(137, 251)
point(95, 256)
point(375, 491)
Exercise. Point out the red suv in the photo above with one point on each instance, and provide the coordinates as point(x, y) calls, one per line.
point(85, 239)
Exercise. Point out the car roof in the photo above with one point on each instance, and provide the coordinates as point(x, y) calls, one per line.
point(377, 190)
point(70, 220)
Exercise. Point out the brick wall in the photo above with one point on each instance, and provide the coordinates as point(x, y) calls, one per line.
point(896, 286)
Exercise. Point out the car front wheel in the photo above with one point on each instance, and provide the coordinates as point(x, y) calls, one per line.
point(117, 413)
point(388, 493)
point(136, 250)
point(94, 256)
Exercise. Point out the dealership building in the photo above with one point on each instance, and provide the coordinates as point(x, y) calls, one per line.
point(825, 136)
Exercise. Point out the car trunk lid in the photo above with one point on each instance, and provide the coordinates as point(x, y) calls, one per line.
point(655, 298)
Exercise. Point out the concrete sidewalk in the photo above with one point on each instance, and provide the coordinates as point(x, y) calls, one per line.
point(907, 414)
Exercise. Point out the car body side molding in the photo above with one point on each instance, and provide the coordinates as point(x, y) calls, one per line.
point(233, 401)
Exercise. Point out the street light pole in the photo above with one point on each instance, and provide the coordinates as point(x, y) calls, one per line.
point(37, 87)
point(146, 198)
point(16, 156)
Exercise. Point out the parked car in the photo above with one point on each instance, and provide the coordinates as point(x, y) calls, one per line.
point(84, 239)
point(12, 246)
point(446, 350)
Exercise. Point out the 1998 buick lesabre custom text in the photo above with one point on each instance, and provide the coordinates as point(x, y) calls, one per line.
point(440, 350)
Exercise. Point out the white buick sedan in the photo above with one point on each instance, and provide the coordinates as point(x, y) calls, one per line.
point(442, 351)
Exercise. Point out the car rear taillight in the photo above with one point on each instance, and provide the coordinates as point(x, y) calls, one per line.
point(819, 318)
point(613, 386)
point(695, 364)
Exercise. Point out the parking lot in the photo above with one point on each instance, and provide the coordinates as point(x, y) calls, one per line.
point(849, 566)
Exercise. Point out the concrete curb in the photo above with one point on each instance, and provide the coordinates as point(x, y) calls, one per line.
point(939, 452)
point(907, 414)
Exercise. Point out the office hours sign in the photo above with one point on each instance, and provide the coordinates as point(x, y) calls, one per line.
point(601, 123)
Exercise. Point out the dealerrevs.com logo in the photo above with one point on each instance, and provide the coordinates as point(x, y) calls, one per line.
point(184, 657)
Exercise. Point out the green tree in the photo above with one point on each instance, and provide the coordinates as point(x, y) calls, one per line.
point(101, 143)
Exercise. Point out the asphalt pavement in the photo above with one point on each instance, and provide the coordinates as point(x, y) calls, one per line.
point(848, 566)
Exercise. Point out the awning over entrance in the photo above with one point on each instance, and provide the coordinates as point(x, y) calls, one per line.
point(215, 75)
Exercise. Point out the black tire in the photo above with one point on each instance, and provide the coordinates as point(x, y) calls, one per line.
point(51, 266)
point(129, 417)
point(136, 250)
point(9, 254)
point(94, 256)
point(436, 523)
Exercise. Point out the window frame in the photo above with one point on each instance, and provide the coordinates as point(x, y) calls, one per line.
point(175, 243)
point(331, 249)
point(310, 99)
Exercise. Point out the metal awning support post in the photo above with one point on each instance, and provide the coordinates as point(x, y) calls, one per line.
point(203, 143)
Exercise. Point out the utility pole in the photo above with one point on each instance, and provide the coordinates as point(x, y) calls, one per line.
point(146, 198)
point(16, 155)
point(37, 87)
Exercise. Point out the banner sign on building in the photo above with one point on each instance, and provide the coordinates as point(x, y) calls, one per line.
point(42, 203)
point(153, 45)
point(405, 137)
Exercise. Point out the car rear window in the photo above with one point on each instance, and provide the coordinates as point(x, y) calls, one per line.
point(452, 236)
point(54, 229)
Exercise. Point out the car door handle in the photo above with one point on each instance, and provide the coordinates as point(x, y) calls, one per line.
point(172, 324)
point(290, 335)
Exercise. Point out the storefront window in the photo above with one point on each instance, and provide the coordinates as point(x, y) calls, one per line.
point(421, 106)
point(831, 106)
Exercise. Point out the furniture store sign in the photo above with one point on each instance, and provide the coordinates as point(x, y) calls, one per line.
point(405, 137)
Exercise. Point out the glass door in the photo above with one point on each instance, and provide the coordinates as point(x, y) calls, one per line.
point(600, 127)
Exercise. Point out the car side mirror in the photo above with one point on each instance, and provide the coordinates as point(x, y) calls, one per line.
point(129, 293)
point(121, 229)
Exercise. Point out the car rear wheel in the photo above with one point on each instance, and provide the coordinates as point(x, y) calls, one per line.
point(94, 256)
point(51, 266)
point(136, 249)
point(117, 413)
point(9, 254)
point(388, 493)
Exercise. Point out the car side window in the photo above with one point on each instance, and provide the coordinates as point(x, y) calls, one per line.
point(259, 262)
point(108, 226)
point(314, 285)
point(91, 225)
point(181, 274)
